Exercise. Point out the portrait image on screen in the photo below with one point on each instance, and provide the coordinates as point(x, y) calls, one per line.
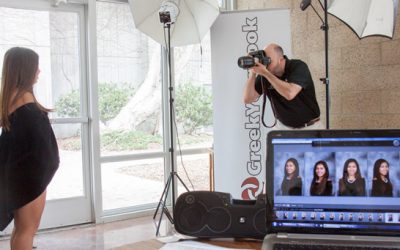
point(317, 163)
point(290, 169)
point(383, 167)
point(351, 171)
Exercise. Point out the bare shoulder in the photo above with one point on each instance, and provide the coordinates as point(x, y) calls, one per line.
point(26, 98)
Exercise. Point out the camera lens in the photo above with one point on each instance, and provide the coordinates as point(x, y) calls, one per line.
point(246, 62)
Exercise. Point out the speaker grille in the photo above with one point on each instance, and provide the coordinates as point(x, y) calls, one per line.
point(215, 214)
point(259, 221)
point(219, 220)
point(192, 218)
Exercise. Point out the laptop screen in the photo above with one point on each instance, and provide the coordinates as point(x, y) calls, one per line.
point(334, 181)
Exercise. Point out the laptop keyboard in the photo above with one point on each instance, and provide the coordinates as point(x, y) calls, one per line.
point(324, 247)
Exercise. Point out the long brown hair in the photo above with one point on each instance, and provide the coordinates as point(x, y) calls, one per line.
point(296, 170)
point(346, 165)
point(377, 165)
point(325, 165)
point(19, 70)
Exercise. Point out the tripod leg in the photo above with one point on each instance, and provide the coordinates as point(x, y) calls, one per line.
point(163, 203)
point(179, 178)
point(168, 214)
point(162, 195)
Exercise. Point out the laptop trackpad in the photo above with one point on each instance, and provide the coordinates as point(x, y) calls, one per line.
point(327, 242)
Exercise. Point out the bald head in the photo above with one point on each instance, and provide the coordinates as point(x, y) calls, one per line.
point(275, 52)
point(274, 49)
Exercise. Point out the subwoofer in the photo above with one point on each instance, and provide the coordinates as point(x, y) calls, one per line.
point(207, 214)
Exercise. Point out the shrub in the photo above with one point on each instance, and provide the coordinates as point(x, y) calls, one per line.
point(193, 107)
point(127, 140)
point(111, 99)
point(68, 105)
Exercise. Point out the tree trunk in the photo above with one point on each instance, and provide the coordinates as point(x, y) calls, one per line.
point(143, 109)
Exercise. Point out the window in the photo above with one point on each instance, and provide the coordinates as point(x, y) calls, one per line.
point(57, 35)
point(129, 84)
point(129, 77)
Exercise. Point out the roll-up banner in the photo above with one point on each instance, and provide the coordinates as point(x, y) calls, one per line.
point(239, 136)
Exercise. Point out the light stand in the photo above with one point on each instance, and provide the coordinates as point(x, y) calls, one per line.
point(166, 20)
point(303, 5)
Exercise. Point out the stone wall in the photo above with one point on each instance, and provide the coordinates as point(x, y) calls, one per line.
point(364, 74)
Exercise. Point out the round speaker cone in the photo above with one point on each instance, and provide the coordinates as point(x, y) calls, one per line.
point(191, 219)
point(190, 199)
point(219, 220)
point(260, 222)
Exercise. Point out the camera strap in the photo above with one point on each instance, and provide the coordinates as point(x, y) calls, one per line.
point(264, 91)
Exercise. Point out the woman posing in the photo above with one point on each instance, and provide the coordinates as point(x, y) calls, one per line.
point(351, 183)
point(292, 183)
point(321, 185)
point(28, 149)
point(381, 185)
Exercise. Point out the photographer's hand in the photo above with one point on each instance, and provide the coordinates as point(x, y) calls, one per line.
point(286, 89)
point(259, 69)
point(250, 94)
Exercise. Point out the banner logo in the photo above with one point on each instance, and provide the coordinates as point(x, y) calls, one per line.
point(251, 185)
point(251, 188)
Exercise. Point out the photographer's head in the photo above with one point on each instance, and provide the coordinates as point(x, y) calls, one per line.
point(277, 65)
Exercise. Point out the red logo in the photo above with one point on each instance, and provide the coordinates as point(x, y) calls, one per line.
point(251, 187)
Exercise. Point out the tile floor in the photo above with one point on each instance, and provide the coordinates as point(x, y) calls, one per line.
point(95, 237)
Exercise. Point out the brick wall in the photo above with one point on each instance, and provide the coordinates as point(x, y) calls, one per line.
point(364, 74)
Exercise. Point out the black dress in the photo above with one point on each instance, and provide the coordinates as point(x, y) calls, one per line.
point(356, 188)
point(292, 186)
point(323, 188)
point(28, 160)
point(381, 188)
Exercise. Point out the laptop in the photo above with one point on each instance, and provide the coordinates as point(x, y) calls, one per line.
point(323, 191)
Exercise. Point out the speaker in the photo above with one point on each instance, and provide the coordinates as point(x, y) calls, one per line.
point(207, 214)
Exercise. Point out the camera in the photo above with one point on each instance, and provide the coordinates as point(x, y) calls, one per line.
point(246, 62)
point(165, 17)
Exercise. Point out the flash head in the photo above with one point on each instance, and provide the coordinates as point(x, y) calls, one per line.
point(165, 17)
point(169, 11)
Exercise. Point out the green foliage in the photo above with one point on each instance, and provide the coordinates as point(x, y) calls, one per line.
point(111, 100)
point(193, 107)
point(128, 140)
point(120, 140)
point(68, 105)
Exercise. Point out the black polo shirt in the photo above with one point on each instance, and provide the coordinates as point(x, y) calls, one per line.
point(304, 107)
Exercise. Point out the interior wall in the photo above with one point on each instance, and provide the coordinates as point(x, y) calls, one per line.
point(364, 74)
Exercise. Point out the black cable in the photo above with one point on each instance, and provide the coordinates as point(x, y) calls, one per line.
point(317, 13)
point(180, 153)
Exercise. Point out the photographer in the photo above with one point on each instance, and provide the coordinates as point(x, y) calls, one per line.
point(289, 87)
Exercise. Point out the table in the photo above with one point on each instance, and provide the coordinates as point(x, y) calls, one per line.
point(225, 242)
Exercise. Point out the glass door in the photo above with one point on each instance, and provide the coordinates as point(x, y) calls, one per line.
point(57, 34)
